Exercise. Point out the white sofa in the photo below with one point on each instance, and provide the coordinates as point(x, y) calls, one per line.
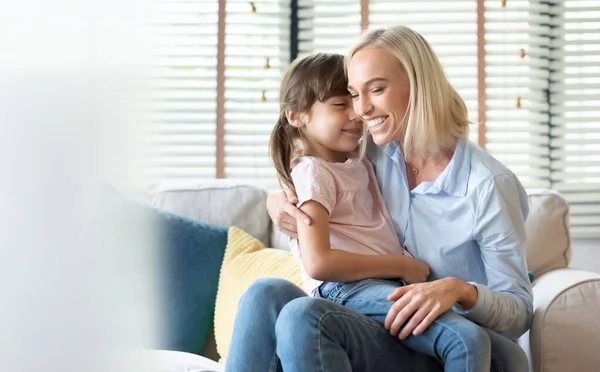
point(564, 335)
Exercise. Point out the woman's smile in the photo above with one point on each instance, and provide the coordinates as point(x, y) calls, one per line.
point(377, 125)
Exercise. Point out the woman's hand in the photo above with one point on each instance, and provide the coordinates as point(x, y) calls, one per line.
point(418, 305)
point(415, 271)
point(282, 209)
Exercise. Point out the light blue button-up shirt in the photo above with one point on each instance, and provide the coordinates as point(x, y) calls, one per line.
point(468, 224)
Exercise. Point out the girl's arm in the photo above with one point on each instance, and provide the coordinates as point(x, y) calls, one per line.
point(333, 265)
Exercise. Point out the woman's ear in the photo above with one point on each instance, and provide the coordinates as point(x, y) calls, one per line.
point(293, 118)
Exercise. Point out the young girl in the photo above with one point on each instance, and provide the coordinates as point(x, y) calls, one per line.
point(351, 254)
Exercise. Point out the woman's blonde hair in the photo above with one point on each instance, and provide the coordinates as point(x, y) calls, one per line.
point(437, 115)
point(307, 80)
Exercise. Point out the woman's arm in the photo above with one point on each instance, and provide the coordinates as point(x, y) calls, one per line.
point(505, 304)
point(282, 209)
point(326, 264)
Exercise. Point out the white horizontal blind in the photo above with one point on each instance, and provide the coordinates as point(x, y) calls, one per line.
point(327, 25)
point(257, 51)
point(450, 27)
point(517, 80)
point(575, 111)
point(183, 130)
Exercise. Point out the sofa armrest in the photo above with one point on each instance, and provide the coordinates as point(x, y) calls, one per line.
point(565, 332)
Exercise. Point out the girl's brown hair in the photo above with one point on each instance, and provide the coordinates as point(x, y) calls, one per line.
point(315, 77)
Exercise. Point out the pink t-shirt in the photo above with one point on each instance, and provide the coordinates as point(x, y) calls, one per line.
point(358, 219)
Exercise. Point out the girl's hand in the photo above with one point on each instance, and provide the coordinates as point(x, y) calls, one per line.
point(420, 304)
point(415, 271)
point(284, 213)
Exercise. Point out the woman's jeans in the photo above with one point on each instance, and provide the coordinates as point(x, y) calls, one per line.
point(279, 328)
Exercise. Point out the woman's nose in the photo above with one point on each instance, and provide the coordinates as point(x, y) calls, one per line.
point(362, 107)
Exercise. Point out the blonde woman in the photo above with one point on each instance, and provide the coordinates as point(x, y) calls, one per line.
point(453, 206)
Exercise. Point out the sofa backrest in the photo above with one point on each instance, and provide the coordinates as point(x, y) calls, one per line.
point(221, 202)
point(243, 205)
point(548, 241)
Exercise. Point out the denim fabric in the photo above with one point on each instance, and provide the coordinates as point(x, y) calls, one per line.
point(462, 345)
point(279, 328)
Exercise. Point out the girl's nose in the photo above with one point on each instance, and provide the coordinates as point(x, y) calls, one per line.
point(352, 114)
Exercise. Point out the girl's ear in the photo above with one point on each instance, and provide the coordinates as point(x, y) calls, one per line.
point(293, 118)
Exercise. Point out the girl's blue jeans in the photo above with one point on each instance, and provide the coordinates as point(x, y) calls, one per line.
point(462, 345)
point(279, 328)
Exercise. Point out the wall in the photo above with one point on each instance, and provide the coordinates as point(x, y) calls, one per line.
point(585, 254)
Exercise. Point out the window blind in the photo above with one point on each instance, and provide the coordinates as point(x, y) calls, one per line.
point(450, 27)
point(257, 52)
point(542, 82)
point(518, 41)
point(182, 135)
point(575, 111)
point(327, 25)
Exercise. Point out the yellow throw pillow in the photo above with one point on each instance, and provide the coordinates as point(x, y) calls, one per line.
point(246, 260)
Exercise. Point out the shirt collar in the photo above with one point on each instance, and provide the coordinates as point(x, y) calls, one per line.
point(455, 177)
point(394, 151)
point(453, 180)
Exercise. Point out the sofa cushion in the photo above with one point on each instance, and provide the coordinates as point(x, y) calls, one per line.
point(187, 255)
point(548, 242)
point(192, 252)
point(221, 202)
point(246, 260)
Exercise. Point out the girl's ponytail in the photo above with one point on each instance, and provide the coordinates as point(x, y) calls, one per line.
point(281, 148)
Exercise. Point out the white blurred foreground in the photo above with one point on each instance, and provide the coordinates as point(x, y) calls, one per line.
point(73, 296)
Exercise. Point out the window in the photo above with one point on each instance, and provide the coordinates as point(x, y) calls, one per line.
point(257, 52)
point(543, 94)
point(219, 65)
point(575, 111)
point(328, 25)
point(183, 131)
point(184, 136)
point(517, 44)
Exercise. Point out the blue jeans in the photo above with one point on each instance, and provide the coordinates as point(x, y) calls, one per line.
point(462, 345)
point(279, 328)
